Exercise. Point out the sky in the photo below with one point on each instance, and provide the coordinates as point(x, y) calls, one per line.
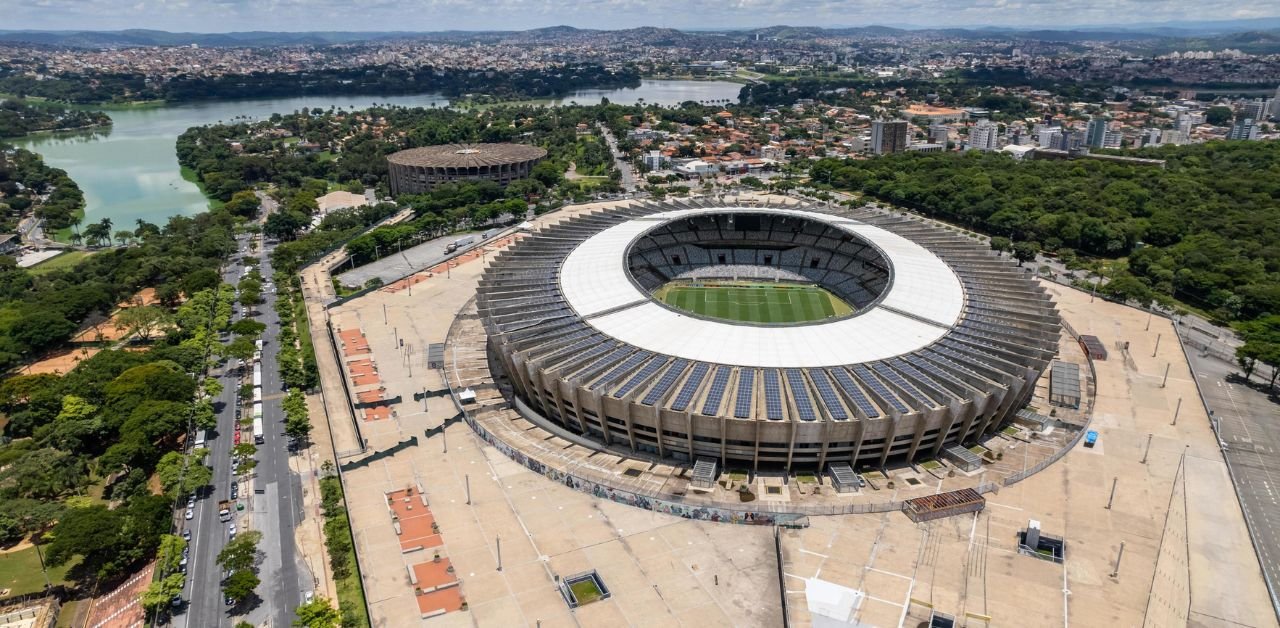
point(208, 16)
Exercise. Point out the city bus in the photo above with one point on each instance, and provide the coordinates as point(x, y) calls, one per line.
point(257, 430)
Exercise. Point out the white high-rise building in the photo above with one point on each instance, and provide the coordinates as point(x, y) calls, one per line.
point(983, 136)
point(1045, 136)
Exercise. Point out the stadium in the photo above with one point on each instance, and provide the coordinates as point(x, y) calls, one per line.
point(418, 170)
point(765, 336)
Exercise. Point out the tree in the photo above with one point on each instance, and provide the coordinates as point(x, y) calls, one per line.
point(169, 556)
point(1218, 116)
point(241, 553)
point(181, 474)
point(240, 585)
point(242, 348)
point(212, 386)
point(244, 203)
point(123, 236)
point(143, 321)
point(284, 225)
point(199, 279)
point(297, 426)
point(318, 613)
point(248, 327)
point(1025, 251)
point(161, 592)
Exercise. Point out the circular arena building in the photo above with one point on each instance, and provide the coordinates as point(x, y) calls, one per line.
point(418, 170)
point(769, 337)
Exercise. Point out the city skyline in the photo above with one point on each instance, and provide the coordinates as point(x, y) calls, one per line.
point(439, 15)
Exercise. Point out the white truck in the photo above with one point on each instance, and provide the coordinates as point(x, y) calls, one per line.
point(459, 243)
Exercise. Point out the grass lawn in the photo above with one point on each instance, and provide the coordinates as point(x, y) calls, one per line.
point(351, 596)
point(754, 302)
point(931, 465)
point(61, 262)
point(586, 591)
point(20, 572)
point(190, 175)
point(67, 616)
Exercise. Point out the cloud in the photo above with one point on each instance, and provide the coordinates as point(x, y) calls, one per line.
point(427, 15)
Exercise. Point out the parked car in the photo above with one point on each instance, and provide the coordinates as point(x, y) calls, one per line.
point(191, 514)
point(186, 535)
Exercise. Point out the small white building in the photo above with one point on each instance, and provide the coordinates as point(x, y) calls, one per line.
point(696, 168)
point(1018, 152)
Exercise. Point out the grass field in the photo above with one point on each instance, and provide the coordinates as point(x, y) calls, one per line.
point(754, 302)
point(20, 572)
point(61, 262)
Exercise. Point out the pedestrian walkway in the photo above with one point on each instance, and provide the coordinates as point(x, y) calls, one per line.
point(122, 607)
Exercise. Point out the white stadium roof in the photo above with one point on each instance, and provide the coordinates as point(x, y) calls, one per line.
point(923, 301)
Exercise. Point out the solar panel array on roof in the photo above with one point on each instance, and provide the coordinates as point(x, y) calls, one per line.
point(639, 378)
point(716, 394)
point(828, 394)
point(690, 387)
point(742, 407)
point(804, 405)
point(902, 384)
point(879, 388)
point(618, 371)
point(666, 382)
point(940, 392)
point(855, 394)
point(772, 396)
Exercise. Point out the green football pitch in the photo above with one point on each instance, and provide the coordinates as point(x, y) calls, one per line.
point(753, 302)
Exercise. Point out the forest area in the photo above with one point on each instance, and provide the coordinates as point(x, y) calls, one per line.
point(1204, 231)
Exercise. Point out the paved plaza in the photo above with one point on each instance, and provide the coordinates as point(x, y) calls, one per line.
point(507, 533)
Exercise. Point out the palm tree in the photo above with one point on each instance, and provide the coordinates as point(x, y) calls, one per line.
point(106, 225)
point(76, 219)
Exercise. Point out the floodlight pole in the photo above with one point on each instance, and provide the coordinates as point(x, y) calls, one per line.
point(1176, 411)
point(1114, 480)
point(1166, 375)
point(1157, 349)
point(1119, 555)
point(1148, 449)
point(467, 479)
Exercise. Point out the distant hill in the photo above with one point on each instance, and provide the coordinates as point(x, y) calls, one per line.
point(1260, 36)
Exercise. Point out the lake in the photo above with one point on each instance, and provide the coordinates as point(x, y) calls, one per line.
point(131, 171)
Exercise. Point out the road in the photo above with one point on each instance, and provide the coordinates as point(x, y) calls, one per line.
point(272, 498)
point(1248, 422)
point(208, 535)
point(277, 491)
point(628, 175)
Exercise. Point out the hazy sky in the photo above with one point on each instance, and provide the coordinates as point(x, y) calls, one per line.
point(432, 15)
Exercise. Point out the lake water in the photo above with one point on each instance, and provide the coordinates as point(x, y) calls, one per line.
point(131, 171)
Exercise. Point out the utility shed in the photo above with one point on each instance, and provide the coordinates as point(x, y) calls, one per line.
point(1093, 347)
point(1064, 384)
point(942, 505)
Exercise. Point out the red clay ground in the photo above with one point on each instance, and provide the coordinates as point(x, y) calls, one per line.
point(121, 608)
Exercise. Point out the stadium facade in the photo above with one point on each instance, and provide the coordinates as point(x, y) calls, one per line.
point(945, 343)
point(418, 170)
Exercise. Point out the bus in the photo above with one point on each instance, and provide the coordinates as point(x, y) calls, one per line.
point(257, 375)
point(257, 430)
point(200, 438)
